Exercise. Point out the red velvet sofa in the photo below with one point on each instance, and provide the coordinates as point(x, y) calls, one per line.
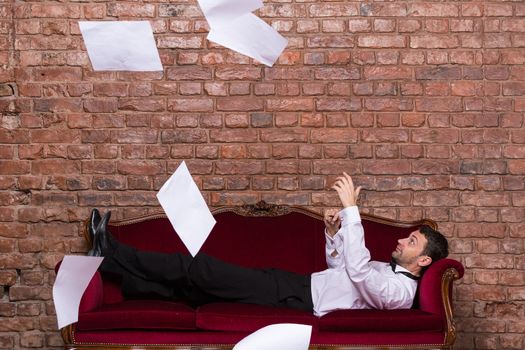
point(261, 236)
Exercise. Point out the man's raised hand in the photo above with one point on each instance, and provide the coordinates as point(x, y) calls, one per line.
point(332, 221)
point(348, 194)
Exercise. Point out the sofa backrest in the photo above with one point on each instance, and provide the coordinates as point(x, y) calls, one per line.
point(289, 238)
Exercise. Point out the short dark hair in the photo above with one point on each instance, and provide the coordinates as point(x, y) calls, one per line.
point(437, 244)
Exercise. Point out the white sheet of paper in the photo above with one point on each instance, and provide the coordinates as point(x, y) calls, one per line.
point(121, 45)
point(251, 36)
point(222, 12)
point(72, 280)
point(186, 209)
point(289, 336)
point(232, 25)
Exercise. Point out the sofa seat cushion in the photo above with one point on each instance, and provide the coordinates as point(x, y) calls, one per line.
point(139, 314)
point(236, 317)
point(384, 320)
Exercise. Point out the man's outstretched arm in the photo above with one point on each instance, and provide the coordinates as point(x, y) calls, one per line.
point(378, 290)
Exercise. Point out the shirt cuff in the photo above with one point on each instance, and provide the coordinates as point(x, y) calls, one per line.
point(330, 241)
point(350, 215)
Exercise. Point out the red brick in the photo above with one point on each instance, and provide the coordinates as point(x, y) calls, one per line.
point(110, 89)
point(296, 104)
point(387, 167)
point(101, 106)
point(330, 41)
point(258, 151)
point(238, 183)
point(288, 73)
point(181, 151)
point(142, 104)
point(239, 88)
point(411, 89)
point(384, 135)
point(233, 135)
point(263, 89)
point(338, 104)
point(284, 151)
point(65, 74)
point(386, 26)
point(434, 42)
point(313, 120)
point(130, 10)
point(385, 88)
point(239, 104)
point(336, 120)
point(334, 136)
point(57, 105)
point(54, 136)
point(55, 11)
point(261, 120)
point(285, 135)
point(334, 167)
point(188, 73)
point(450, 104)
point(433, 10)
point(333, 10)
point(307, 26)
point(381, 41)
point(248, 73)
point(135, 136)
point(228, 199)
point(388, 104)
point(140, 167)
point(388, 199)
point(387, 73)
point(338, 89)
point(236, 120)
point(184, 136)
point(466, 88)
point(235, 167)
point(336, 73)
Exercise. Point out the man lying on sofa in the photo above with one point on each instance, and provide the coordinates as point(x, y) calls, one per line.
point(351, 281)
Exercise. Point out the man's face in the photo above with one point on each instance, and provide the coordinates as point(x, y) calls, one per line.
point(409, 249)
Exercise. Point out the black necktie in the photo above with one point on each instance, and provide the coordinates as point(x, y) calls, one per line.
point(408, 274)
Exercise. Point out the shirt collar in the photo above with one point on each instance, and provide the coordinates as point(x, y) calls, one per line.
point(400, 269)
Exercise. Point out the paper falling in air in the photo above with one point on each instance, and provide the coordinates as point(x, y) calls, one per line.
point(72, 279)
point(121, 45)
point(186, 209)
point(289, 336)
point(232, 25)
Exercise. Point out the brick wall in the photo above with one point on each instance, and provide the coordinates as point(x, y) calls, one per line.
point(421, 101)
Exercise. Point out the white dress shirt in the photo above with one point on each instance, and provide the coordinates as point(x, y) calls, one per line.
point(352, 281)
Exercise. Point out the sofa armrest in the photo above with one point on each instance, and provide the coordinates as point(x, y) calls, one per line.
point(435, 288)
point(93, 296)
point(435, 292)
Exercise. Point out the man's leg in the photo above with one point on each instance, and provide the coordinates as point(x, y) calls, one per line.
point(256, 286)
point(146, 273)
point(205, 279)
point(152, 266)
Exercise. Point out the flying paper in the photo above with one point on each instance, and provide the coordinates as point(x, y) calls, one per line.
point(186, 209)
point(222, 12)
point(289, 336)
point(121, 45)
point(234, 26)
point(72, 280)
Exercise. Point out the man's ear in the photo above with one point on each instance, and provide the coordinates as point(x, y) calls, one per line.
point(424, 260)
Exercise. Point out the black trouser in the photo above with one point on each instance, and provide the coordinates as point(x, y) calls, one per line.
point(204, 279)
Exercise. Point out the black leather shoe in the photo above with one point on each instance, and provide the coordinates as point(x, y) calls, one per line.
point(94, 220)
point(105, 243)
point(96, 247)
